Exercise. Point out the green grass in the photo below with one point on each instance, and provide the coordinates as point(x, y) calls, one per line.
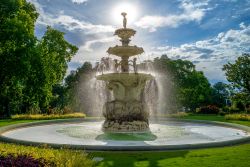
point(215, 118)
point(236, 156)
point(6, 122)
point(213, 157)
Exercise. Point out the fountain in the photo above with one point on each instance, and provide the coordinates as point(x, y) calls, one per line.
point(126, 117)
point(128, 111)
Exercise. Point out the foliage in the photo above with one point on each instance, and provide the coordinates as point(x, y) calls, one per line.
point(78, 88)
point(210, 109)
point(30, 68)
point(47, 117)
point(239, 72)
point(192, 88)
point(241, 117)
point(17, 41)
point(220, 94)
point(60, 158)
point(23, 160)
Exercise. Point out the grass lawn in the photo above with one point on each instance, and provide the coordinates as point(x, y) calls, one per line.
point(213, 157)
point(215, 118)
point(6, 122)
point(234, 156)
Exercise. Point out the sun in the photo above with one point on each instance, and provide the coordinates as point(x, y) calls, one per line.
point(130, 9)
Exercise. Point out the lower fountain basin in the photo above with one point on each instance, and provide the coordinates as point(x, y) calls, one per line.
point(163, 135)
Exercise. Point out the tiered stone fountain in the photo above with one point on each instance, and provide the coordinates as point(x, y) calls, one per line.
point(128, 111)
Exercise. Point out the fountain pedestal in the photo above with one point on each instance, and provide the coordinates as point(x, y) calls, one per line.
point(128, 111)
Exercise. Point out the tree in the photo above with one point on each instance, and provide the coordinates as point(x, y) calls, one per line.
point(17, 40)
point(29, 67)
point(78, 89)
point(55, 52)
point(238, 73)
point(192, 89)
point(220, 94)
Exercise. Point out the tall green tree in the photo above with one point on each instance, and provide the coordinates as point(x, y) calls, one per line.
point(55, 52)
point(238, 74)
point(29, 67)
point(192, 89)
point(220, 94)
point(17, 40)
point(78, 89)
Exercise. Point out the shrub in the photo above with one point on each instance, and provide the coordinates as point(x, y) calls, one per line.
point(23, 160)
point(234, 110)
point(226, 109)
point(210, 109)
point(46, 116)
point(241, 117)
point(34, 110)
point(56, 110)
point(46, 156)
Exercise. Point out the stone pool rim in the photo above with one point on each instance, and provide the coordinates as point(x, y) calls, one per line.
point(242, 140)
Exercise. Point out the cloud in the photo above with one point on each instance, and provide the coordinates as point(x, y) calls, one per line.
point(88, 45)
point(79, 1)
point(191, 12)
point(212, 53)
point(68, 22)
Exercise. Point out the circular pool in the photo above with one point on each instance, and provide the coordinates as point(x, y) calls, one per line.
point(163, 135)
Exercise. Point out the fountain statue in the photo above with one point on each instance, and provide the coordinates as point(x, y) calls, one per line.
point(127, 111)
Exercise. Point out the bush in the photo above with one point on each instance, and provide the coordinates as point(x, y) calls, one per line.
point(46, 116)
point(241, 117)
point(48, 156)
point(234, 110)
point(226, 109)
point(34, 110)
point(23, 160)
point(56, 110)
point(210, 109)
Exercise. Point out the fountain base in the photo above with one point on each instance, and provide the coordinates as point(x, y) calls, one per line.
point(133, 126)
point(125, 116)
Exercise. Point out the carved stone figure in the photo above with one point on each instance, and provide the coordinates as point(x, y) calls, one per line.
point(124, 19)
point(116, 65)
point(134, 65)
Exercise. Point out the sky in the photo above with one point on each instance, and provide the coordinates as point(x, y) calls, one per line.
point(209, 33)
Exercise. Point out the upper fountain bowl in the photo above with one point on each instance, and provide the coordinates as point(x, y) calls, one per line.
point(125, 33)
point(127, 51)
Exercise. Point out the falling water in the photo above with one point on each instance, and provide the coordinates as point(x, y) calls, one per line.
point(93, 93)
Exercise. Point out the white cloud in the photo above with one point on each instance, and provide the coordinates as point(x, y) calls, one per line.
point(88, 45)
point(209, 55)
point(79, 1)
point(191, 12)
point(71, 23)
point(68, 22)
